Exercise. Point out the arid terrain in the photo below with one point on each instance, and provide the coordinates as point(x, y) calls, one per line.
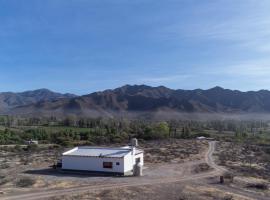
point(175, 169)
point(134, 100)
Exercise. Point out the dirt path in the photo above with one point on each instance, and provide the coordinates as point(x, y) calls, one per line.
point(136, 181)
point(239, 191)
point(209, 158)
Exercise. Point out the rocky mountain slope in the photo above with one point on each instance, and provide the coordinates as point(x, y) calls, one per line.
point(136, 99)
point(10, 100)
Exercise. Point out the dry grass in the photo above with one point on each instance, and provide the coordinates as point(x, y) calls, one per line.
point(170, 151)
point(14, 164)
point(244, 159)
point(174, 151)
point(19, 162)
point(248, 163)
point(173, 191)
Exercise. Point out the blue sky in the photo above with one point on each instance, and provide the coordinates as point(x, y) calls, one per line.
point(81, 46)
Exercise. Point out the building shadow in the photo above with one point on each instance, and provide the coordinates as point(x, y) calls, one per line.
point(71, 173)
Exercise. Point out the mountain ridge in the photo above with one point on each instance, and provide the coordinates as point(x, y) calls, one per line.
point(9, 100)
point(144, 99)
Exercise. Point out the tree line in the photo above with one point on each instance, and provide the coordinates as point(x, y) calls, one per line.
point(99, 130)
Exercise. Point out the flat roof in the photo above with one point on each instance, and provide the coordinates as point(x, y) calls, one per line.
point(100, 152)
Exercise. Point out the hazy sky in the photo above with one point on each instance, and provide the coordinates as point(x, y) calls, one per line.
point(80, 46)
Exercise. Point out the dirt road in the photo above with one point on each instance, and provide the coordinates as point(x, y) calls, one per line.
point(209, 158)
point(220, 170)
point(136, 181)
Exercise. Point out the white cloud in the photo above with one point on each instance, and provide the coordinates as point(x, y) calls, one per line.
point(248, 75)
point(254, 69)
point(246, 24)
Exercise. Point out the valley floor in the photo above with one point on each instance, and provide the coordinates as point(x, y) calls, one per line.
point(175, 169)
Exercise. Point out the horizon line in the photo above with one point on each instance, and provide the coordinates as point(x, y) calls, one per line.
point(131, 85)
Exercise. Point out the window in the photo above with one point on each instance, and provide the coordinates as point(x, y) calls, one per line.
point(117, 163)
point(108, 165)
point(138, 160)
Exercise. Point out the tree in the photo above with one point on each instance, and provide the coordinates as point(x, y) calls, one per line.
point(185, 133)
point(162, 130)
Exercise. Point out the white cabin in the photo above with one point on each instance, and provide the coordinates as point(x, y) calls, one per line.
point(31, 142)
point(201, 138)
point(103, 159)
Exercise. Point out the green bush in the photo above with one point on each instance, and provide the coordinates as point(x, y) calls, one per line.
point(157, 131)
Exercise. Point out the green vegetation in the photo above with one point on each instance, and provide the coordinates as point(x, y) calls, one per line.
point(72, 131)
point(9, 137)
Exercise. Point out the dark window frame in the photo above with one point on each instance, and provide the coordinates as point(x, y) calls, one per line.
point(108, 165)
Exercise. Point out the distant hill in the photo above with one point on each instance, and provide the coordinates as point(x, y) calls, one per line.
point(138, 99)
point(10, 100)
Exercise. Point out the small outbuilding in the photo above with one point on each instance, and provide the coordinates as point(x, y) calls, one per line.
point(201, 138)
point(119, 161)
point(31, 142)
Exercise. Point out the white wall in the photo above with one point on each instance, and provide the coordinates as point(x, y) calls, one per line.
point(92, 163)
point(129, 161)
point(139, 156)
point(96, 163)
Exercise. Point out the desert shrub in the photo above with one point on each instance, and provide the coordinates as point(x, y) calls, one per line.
point(17, 148)
point(55, 146)
point(229, 197)
point(4, 166)
point(183, 197)
point(267, 150)
point(229, 176)
point(66, 143)
point(63, 141)
point(32, 147)
point(259, 186)
point(3, 180)
point(25, 182)
point(186, 196)
point(25, 160)
point(202, 167)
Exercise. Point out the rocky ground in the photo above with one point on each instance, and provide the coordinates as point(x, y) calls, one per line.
point(172, 191)
point(248, 163)
point(169, 165)
point(22, 170)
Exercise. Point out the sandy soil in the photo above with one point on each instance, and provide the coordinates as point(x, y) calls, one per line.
point(188, 178)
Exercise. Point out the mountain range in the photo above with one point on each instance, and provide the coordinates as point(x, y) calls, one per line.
point(11, 100)
point(135, 99)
